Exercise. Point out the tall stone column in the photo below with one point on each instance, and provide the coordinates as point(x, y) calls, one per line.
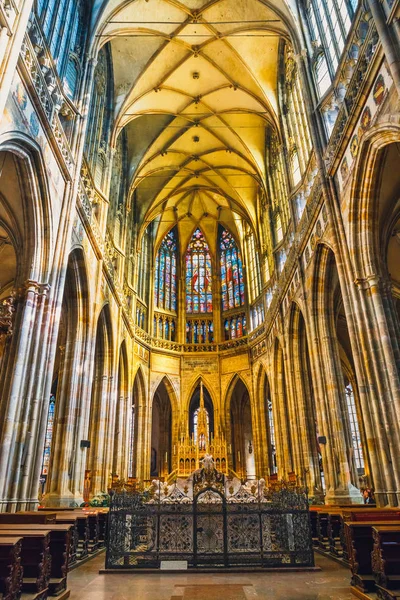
point(380, 401)
point(27, 349)
point(340, 488)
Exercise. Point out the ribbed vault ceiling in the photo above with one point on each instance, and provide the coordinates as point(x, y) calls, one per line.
point(195, 87)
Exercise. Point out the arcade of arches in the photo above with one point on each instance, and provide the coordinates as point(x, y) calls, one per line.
point(200, 245)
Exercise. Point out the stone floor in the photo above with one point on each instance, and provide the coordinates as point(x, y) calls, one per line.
point(331, 583)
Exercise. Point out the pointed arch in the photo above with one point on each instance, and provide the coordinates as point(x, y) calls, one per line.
point(102, 405)
point(29, 165)
point(163, 429)
point(194, 385)
point(239, 417)
point(137, 454)
point(266, 425)
point(306, 424)
point(194, 403)
point(280, 400)
point(123, 417)
point(64, 433)
point(365, 236)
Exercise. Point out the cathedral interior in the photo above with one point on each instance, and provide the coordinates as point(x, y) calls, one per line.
point(200, 249)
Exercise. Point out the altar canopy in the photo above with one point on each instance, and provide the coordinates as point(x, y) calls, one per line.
point(209, 522)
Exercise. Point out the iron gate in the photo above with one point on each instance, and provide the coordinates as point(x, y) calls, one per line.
point(210, 529)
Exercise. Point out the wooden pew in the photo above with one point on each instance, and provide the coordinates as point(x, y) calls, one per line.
point(360, 544)
point(74, 542)
point(28, 517)
point(103, 520)
point(35, 560)
point(60, 539)
point(373, 514)
point(386, 559)
point(87, 526)
point(10, 567)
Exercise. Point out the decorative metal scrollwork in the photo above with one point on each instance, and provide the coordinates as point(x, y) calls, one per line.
point(212, 524)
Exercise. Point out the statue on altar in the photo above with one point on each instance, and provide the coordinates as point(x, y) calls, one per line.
point(208, 463)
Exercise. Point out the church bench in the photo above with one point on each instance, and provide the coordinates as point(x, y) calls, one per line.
point(386, 556)
point(93, 528)
point(60, 539)
point(27, 517)
point(359, 542)
point(73, 547)
point(10, 567)
point(35, 559)
point(103, 519)
point(81, 531)
point(373, 514)
point(329, 523)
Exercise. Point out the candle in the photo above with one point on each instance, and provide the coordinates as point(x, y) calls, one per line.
point(166, 457)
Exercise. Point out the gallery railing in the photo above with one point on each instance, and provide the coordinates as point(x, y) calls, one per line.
point(209, 526)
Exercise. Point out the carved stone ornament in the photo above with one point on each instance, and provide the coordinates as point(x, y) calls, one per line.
point(7, 310)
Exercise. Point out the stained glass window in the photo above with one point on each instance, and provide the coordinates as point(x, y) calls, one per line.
point(48, 437)
point(253, 267)
point(232, 284)
point(198, 275)
point(165, 273)
point(235, 327)
point(272, 443)
point(354, 429)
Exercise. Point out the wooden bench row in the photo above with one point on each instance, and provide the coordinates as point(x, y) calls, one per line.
point(369, 539)
point(327, 524)
point(41, 546)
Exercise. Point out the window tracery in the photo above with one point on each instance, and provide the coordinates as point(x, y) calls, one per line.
point(143, 266)
point(296, 125)
point(48, 438)
point(329, 24)
point(354, 429)
point(62, 22)
point(165, 277)
point(95, 142)
point(232, 283)
point(253, 267)
point(198, 275)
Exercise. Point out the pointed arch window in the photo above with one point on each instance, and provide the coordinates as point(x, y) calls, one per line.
point(198, 275)
point(253, 267)
point(98, 118)
point(48, 438)
point(329, 24)
point(271, 434)
point(232, 284)
point(165, 273)
point(62, 22)
point(354, 428)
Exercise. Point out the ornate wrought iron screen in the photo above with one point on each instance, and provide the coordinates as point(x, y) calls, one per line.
point(210, 528)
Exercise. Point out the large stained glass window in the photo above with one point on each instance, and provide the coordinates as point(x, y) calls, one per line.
point(198, 275)
point(232, 285)
point(165, 273)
